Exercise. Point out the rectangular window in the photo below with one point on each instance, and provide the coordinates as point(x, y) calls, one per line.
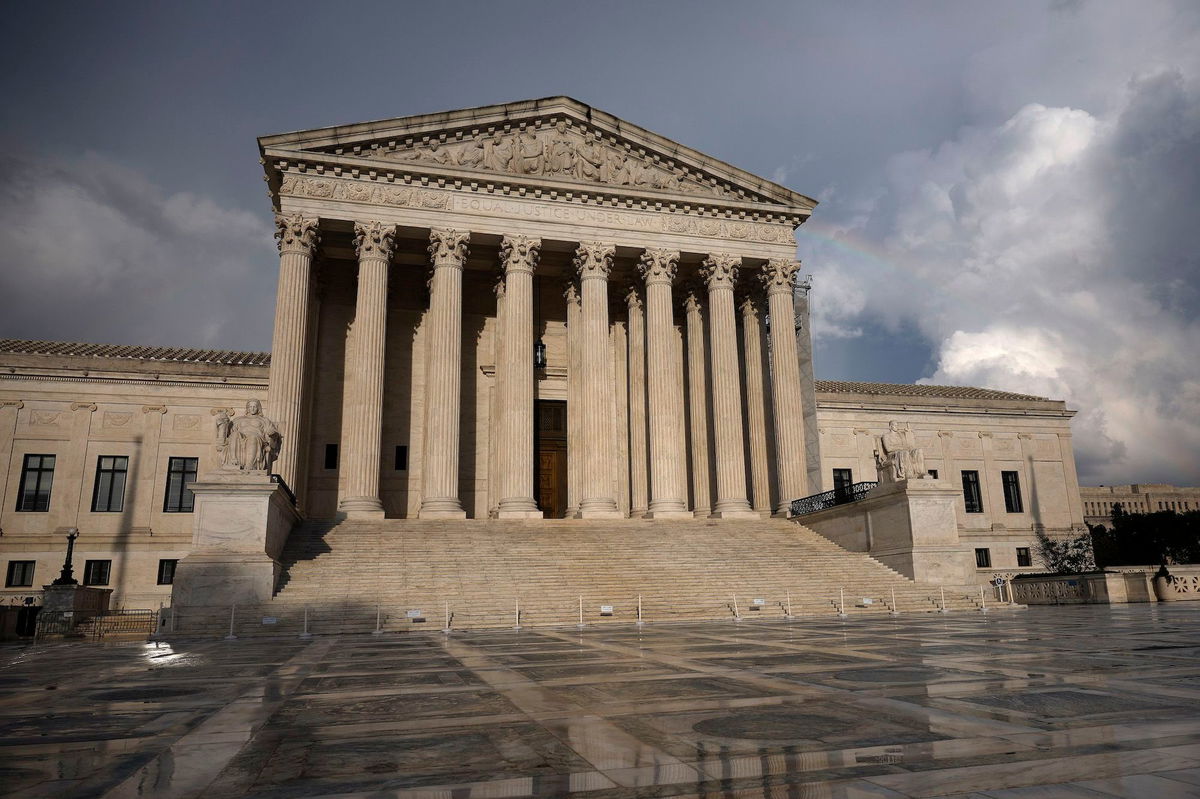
point(96, 572)
point(166, 571)
point(971, 495)
point(331, 456)
point(401, 458)
point(842, 480)
point(1012, 492)
point(1023, 558)
point(20, 573)
point(37, 478)
point(180, 472)
point(933, 473)
point(108, 495)
point(983, 558)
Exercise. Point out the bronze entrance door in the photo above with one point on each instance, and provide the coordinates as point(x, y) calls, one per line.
point(550, 481)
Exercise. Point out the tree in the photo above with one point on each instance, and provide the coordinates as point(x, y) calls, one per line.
point(1144, 539)
point(1066, 555)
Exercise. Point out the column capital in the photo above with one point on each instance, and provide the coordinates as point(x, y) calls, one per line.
point(658, 266)
point(296, 233)
point(594, 260)
point(520, 253)
point(750, 301)
point(374, 240)
point(571, 292)
point(778, 275)
point(633, 297)
point(448, 247)
point(720, 270)
point(692, 296)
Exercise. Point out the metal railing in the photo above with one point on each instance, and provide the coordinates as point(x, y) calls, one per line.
point(279, 481)
point(828, 499)
point(109, 624)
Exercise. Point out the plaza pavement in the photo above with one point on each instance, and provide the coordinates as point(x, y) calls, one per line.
point(1085, 701)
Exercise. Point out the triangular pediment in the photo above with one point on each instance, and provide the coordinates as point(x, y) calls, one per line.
point(557, 142)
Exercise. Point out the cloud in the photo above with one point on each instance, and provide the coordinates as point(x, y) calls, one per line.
point(1054, 253)
point(97, 252)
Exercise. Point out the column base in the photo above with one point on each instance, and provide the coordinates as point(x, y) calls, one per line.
point(441, 508)
point(599, 508)
point(360, 508)
point(702, 513)
point(670, 514)
point(601, 514)
point(734, 509)
point(518, 508)
point(637, 513)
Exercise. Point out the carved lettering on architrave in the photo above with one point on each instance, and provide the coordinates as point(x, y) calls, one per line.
point(386, 194)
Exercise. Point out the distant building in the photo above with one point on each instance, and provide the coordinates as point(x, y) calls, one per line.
point(1098, 501)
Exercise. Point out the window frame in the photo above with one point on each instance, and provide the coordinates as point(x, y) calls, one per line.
point(330, 464)
point(971, 485)
point(843, 489)
point(401, 462)
point(184, 493)
point(171, 578)
point(1024, 557)
point(111, 472)
point(13, 565)
point(1011, 481)
point(983, 558)
point(39, 472)
point(93, 563)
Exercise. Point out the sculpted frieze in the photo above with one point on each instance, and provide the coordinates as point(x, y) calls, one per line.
point(377, 193)
point(563, 151)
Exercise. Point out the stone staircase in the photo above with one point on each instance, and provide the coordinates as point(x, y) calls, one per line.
point(356, 576)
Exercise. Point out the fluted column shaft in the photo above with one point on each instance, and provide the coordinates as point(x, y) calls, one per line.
point(639, 488)
point(697, 404)
point(443, 376)
point(720, 272)
point(668, 489)
point(574, 400)
point(519, 255)
point(755, 369)
point(374, 242)
point(779, 278)
point(297, 237)
point(594, 262)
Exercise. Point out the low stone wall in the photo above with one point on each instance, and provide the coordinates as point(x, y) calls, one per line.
point(1101, 588)
point(1183, 585)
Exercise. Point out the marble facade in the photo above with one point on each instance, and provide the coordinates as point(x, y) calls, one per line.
point(422, 263)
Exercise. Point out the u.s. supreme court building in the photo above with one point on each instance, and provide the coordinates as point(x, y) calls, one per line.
point(494, 318)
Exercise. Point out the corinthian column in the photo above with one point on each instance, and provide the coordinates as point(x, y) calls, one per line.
point(297, 237)
point(720, 272)
point(639, 492)
point(755, 368)
point(778, 276)
point(519, 255)
point(697, 402)
point(374, 242)
point(574, 400)
point(593, 261)
point(668, 488)
point(443, 375)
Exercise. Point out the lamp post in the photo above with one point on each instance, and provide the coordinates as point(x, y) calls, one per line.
point(66, 577)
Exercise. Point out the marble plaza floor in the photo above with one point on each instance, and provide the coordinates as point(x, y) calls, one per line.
point(1050, 702)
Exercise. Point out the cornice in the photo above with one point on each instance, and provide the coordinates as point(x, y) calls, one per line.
point(138, 381)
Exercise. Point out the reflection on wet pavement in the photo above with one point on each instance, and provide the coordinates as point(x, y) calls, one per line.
point(1078, 701)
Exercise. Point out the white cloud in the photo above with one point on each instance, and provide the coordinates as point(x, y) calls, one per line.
point(87, 240)
point(1054, 253)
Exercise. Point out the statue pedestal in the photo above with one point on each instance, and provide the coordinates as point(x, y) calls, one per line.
point(241, 522)
point(910, 526)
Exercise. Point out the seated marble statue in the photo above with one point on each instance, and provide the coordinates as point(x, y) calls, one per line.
point(247, 443)
point(898, 457)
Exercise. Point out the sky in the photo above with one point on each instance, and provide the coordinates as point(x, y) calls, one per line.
point(1008, 191)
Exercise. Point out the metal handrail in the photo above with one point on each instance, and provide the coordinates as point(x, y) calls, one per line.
point(279, 481)
point(828, 499)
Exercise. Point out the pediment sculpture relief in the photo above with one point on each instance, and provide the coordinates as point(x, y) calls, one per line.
point(563, 151)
